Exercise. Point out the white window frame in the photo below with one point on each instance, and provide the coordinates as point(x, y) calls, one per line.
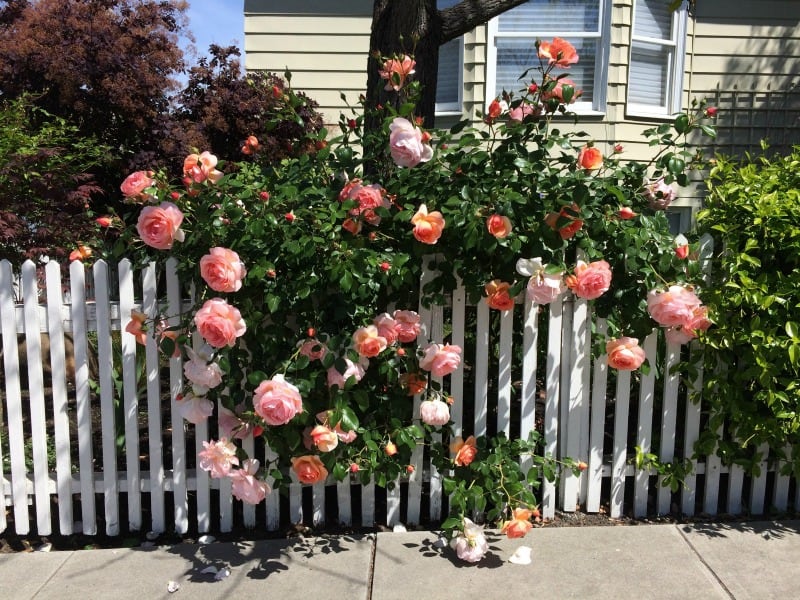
point(598, 104)
point(674, 84)
point(456, 107)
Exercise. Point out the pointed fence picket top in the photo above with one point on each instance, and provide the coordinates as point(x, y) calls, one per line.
point(514, 362)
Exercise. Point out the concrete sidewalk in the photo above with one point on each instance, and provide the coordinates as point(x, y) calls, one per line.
point(758, 560)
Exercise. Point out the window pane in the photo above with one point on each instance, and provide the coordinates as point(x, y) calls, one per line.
point(649, 70)
point(552, 16)
point(652, 19)
point(448, 73)
point(514, 56)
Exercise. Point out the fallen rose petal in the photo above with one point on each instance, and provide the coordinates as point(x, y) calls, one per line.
point(521, 556)
point(173, 586)
point(399, 528)
point(206, 539)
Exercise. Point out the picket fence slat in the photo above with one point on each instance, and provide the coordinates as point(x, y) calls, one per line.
point(574, 421)
point(61, 437)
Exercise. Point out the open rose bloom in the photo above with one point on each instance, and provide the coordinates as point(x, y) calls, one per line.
point(407, 144)
point(471, 544)
point(396, 70)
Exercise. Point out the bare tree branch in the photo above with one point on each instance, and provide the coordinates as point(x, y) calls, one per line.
point(468, 14)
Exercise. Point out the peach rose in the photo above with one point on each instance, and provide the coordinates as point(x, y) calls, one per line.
point(559, 52)
point(591, 280)
point(673, 307)
point(245, 485)
point(566, 221)
point(497, 296)
point(590, 158)
point(519, 525)
point(277, 401)
point(222, 270)
point(367, 342)
point(309, 469)
point(434, 412)
point(440, 359)
point(199, 167)
point(219, 323)
point(136, 183)
point(407, 144)
point(464, 451)
point(625, 354)
point(396, 71)
point(160, 226)
point(415, 383)
point(558, 91)
point(428, 227)
point(408, 326)
point(324, 438)
point(135, 327)
point(499, 226)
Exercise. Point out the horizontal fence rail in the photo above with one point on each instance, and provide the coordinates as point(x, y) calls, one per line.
point(75, 383)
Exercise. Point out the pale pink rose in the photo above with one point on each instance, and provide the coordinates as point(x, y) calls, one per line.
point(313, 349)
point(367, 342)
point(218, 458)
point(659, 194)
point(160, 226)
point(591, 280)
point(222, 270)
point(324, 438)
point(545, 288)
point(434, 412)
point(407, 144)
point(428, 227)
point(219, 323)
point(231, 426)
point(356, 370)
point(440, 359)
point(625, 354)
point(408, 325)
point(674, 307)
point(396, 70)
point(471, 544)
point(194, 409)
point(136, 183)
point(245, 485)
point(519, 113)
point(202, 374)
point(277, 401)
point(387, 327)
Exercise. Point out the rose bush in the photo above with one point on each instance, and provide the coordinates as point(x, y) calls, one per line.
point(296, 266)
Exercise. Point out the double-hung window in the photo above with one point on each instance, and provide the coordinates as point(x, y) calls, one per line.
point(655, 76)
point(450, 86)
point(583, 23)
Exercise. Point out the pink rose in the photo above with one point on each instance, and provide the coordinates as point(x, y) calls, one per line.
point(356, 370)
point(659, 194)
point(387, 327)
point(367, 342)
point(194, 409)
point(346, 437)
point(231, 426)
point(369, 197)
point(396, 71)
point(218, 458)
point(309, 469)
point(202, 374)
point(199, 167)
point(160, 226)
point(222, 270)
point(428, 227)
point(407, 144)
point(673, 307)
point(277, 401)
point(434, 412)
point(543, 287)
point(519, 113)
point(408, 326)
point(558, 91)
point(590, 281)
point(324, 438)
point(136, 183)
point(470, 545)
point(313, 349)
point(686, 332)
point(219, 323)
point(440, 359)
point(245, 485)
point(625, 354)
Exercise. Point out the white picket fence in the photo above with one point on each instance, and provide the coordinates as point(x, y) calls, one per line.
point(580, 417)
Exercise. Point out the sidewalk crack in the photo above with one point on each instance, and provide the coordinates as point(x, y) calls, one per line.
point(371, 574)
point(705, 564)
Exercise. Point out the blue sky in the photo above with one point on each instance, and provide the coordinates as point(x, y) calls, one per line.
point(216, 21)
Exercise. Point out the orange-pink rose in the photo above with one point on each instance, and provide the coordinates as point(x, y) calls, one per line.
point(324, 438)
point(440, 359)
point(590, 158)
point(497, 295)
point(559, 52)
point(277, 401)
point(136, 183)
point(519, 525)
point(200, 167)
point(625, 354)
point(160, 226)
point(465, 451)
point(309, 469)
point(591, 280)
point(367, 342)
point(499, 226)
point(415, 383)
point(558, 91)
point(428, 227)
point(396, 71)
point(566, 221)
point(369, 197)
point(222, 270)
point(219, 323)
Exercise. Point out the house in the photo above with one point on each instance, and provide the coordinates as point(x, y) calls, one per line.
point(639, 63)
